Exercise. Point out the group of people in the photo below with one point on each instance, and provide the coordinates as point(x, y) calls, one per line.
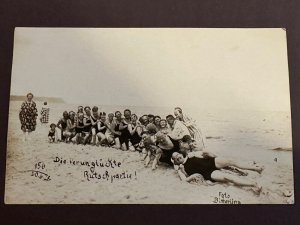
point(175, 140)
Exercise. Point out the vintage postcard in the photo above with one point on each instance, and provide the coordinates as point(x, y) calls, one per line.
point(149, 116)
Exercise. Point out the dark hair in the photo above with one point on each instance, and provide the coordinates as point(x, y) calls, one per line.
point(127, 110)
point(117, 112)
point(80, 106)
point(157, 117)
point(144, 132)
point(102, 114)
point(95, 109)
point(110, 114)
point(29, 94)
point(71, 112)
point(52, 124)
point(186, 138)
point(134, 115)
point(150, 115)
point(151, 128)
point(141, 120)
point(45, 103)
point(179, 109)
point(87, 107)
point(66, 113)
point(170, 117)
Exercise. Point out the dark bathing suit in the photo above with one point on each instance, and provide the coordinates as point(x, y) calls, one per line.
point(135, 138)
point(117, 129)
point(102, 124)
point(88, 127)
point(80, 127)
point(95, 125)
point(64, 125)
point(51, 134)
point(167, 153)
point(125, 135)
point(204, 166)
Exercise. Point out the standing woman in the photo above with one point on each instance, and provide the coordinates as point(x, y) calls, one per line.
point(28, 115)
point(191, 125)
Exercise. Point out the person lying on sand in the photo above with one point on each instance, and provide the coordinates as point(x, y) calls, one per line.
point(210, 168)
point(188, 145)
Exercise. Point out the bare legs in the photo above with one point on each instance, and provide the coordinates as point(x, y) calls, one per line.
point(220, 176)
point(223, 162)
point(26, 135)
point(101, 138)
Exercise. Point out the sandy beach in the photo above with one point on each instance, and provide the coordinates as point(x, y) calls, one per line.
point(264, 137)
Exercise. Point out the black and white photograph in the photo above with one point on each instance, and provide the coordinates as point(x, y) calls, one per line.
point(149, 116)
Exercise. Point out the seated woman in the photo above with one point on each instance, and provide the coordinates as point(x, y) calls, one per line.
point(109, 133)
point(87, 121)
point(101, 128)
point(135, 131)
point(79, 128)
point(150, 118)
point(210, 168)
point(125, 135)
point(157, 122)
point(163, 126)
point(80, 109)
point(62, 125)
point(116, 129)
point(94, 123)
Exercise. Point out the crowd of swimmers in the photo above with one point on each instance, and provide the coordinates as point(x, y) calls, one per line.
point(175, 140)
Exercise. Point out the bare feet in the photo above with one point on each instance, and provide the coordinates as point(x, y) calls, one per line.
point(257, 189)
point(259, 169)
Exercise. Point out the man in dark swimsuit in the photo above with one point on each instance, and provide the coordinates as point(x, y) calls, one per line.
point(209, 167)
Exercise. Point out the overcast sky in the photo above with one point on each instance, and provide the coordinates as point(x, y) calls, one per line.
point(210, 68)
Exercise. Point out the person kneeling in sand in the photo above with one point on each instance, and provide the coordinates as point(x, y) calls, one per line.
point(150, 149)
point(210, 168)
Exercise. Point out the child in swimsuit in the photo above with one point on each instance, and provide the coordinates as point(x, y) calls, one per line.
point(52, 135)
